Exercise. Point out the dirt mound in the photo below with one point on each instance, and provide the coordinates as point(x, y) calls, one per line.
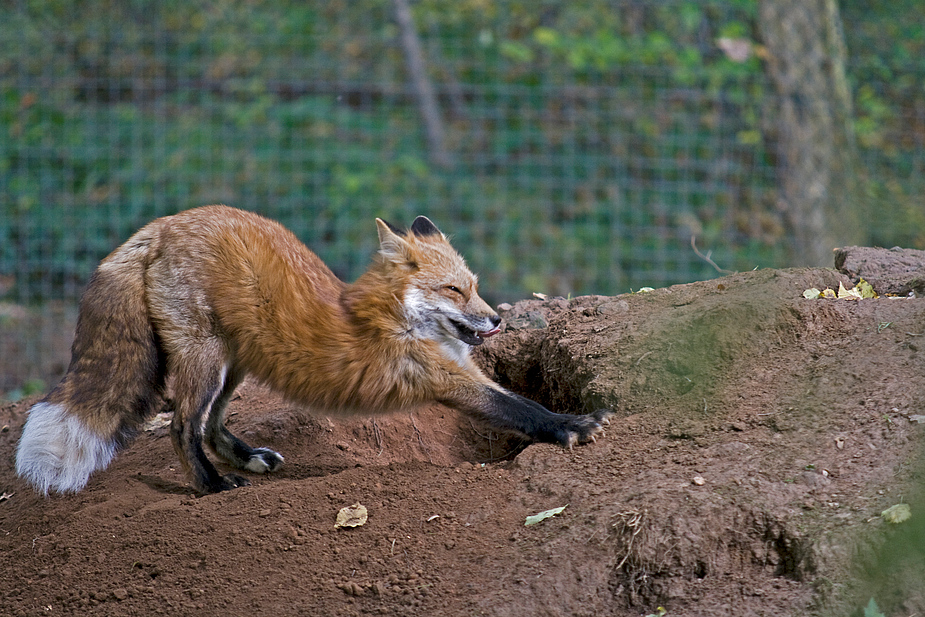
point(894, 271)
point(758, 436)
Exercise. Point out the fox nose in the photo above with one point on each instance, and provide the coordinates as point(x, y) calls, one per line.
point(495, 320)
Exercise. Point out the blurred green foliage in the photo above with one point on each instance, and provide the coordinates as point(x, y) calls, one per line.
point(591, 140)
point(886, 46)
point(889, 560)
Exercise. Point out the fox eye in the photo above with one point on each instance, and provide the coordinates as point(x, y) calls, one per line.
point(454, 288)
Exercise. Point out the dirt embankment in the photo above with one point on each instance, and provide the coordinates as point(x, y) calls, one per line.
point(758, 435)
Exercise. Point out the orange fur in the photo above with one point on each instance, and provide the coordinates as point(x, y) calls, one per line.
point(212, 294)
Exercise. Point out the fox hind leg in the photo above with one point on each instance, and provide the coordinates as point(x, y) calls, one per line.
point(196, 388)
point(225, 444)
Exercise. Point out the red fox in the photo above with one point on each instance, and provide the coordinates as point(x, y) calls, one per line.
point(213, 294)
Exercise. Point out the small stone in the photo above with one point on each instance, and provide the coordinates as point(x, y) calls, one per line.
point(699, 481)
point(120, 594)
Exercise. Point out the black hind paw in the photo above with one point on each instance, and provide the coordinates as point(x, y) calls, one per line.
point(226, 483)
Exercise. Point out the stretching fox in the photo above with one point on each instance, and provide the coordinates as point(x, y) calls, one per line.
point(213, 294)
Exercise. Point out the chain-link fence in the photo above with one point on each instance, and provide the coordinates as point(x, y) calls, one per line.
point(568, 147)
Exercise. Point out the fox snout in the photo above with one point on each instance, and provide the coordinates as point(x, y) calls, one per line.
point(476, 329)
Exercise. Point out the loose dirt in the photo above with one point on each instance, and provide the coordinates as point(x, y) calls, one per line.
point(757, 437)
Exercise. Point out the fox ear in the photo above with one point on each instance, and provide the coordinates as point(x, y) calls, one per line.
point(423, 226)
point(392, 245)
point(396, 230)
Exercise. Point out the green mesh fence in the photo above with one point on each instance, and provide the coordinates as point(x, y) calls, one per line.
point(568, 148)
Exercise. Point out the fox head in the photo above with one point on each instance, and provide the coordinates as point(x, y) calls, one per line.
point(439, 292)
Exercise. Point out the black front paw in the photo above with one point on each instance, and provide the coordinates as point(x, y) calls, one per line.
point(574, 430)
point(512, 412)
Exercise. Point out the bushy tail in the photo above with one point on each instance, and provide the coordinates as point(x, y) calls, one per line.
point(58, 451)
point(114, 381)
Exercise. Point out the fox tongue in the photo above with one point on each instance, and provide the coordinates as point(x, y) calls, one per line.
point(474, 337)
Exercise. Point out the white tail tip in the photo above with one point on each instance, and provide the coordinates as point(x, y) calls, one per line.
point(58, 452)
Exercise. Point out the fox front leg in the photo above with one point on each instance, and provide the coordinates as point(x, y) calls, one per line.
point(506, 411)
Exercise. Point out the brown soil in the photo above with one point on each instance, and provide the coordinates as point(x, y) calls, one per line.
point(758, 436)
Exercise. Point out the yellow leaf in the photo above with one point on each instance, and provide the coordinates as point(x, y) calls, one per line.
point(812, 294)
point(866, 289)
point(828, 293)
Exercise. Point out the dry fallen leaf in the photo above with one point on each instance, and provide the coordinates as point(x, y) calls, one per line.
point(897, 514)
point(812, 293)
point(542, 516)
point(862, 290)
point(352, 516)
point(848, 294)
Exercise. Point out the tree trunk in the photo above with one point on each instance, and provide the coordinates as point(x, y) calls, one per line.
point(423, 89)
point(817, 156)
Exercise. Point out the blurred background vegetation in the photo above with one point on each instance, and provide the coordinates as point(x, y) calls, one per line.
point(568, 147)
